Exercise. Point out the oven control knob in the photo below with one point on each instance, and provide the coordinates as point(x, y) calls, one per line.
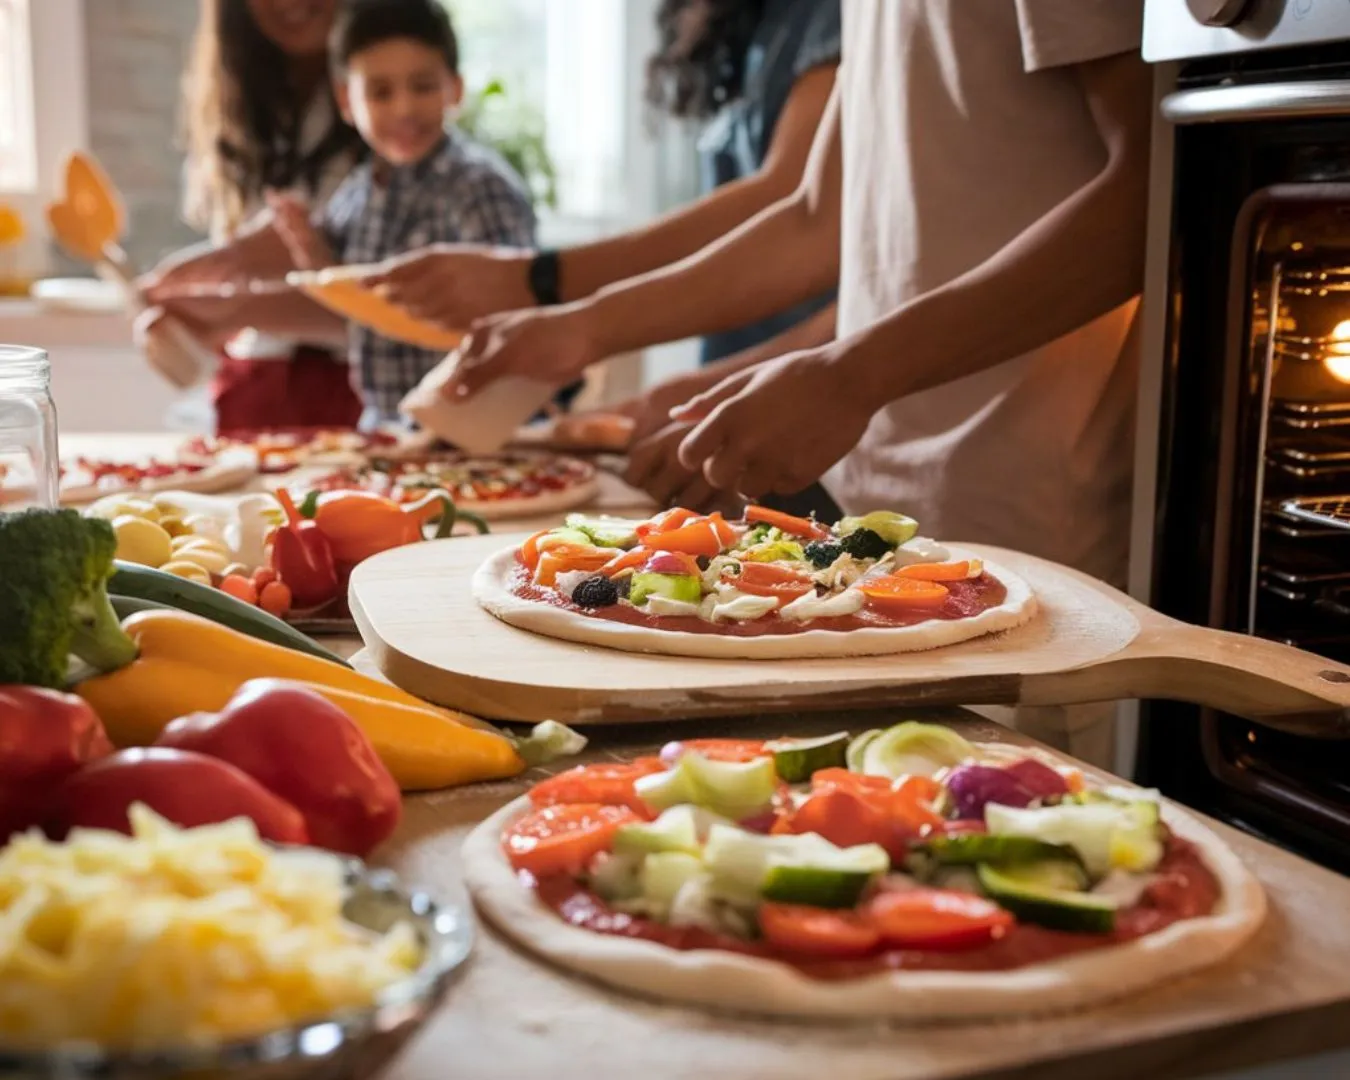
point(1219, 12)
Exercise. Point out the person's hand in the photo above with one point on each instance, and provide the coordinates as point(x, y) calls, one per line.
point(549, 345)
point(453, 285)
point(775, 428)
point(654, 467)
point(291, 219)
point(650, 410)
point(186, 270)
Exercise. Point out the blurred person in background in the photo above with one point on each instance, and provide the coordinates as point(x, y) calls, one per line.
point(260, 116)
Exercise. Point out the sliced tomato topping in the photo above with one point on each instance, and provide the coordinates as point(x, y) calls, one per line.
point(725, 749)
point(904, 594)
point(771, 579)
point(810, 931)
point(793, 526)
point(697, 537)
point(607, 783)
point(935, 919)
point(667, 521)
point(950, 571)
point(563, 839)
point(869, 807)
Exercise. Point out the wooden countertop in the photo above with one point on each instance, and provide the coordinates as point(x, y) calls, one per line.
point(510, 1017)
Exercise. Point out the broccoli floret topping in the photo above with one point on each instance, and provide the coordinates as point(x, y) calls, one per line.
point(54, 570)
point(865, 544)
point(596, 592)
point(823, 553)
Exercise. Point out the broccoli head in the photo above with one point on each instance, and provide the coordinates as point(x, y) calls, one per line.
point(54, 570)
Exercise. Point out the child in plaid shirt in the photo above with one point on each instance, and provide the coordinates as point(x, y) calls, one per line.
point(397, 76)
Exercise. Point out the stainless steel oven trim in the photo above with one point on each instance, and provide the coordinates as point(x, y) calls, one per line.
point(1259, 101)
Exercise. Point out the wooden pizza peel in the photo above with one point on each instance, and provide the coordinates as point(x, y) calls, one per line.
point(425, 631)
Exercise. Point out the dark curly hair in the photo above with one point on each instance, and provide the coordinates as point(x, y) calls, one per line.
point(696, 79)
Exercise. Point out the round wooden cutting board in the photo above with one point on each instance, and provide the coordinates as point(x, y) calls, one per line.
point(417, 614)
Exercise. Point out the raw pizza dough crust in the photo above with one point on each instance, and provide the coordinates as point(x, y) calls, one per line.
point(727, 981)
point(490, 589)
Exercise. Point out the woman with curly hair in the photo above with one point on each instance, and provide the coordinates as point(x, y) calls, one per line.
point(260, 117)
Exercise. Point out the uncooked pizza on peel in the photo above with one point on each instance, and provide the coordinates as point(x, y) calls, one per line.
point(494, 487)
point(769, 586)
point(907, 873)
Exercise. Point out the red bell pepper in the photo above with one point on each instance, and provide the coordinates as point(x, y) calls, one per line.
point(306, 750)
point(45, 736)
point(186, 789)
point(303, 558)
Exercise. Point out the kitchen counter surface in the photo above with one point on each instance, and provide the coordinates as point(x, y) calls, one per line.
point(1258, 1017)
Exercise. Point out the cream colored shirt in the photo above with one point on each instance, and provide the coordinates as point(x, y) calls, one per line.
point(962, 126)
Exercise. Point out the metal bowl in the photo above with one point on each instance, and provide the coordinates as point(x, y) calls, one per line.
point(354, 1044)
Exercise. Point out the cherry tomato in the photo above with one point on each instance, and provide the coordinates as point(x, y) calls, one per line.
point(810, 931)
point(563, 839)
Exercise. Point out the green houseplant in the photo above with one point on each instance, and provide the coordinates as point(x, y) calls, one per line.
point(516, 131)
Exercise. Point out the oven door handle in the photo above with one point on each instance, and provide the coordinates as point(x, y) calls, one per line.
point(1258, 101)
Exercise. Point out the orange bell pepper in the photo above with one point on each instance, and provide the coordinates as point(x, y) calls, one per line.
point(793, 526)
point(957, 571)
point(360, 524)
point(700, 536)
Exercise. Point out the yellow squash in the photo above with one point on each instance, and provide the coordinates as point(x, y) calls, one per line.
point(187, 664)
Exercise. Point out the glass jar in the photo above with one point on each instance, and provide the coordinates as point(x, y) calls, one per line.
point(28, 454)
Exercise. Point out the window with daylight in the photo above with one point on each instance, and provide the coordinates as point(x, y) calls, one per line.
point(18, 149)
point(566, 104)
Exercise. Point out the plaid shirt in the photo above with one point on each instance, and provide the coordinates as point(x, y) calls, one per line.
point(462, 192)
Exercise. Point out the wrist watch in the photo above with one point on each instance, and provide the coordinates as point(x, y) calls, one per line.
point(545, 278)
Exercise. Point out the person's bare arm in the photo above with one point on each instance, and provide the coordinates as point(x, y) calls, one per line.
point(258, 251)
point(586, 269)
point(782, 256)
point(289, 314)
point(454, 284)
point(1049, 280)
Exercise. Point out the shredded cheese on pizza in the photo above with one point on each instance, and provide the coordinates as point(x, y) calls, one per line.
point(178, 936)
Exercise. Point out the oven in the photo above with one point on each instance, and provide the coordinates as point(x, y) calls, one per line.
point(1243, 452)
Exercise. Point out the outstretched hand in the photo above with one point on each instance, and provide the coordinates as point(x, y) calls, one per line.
point(291, 219)
point(452, 285)
point(552, 346)
point(775, 428)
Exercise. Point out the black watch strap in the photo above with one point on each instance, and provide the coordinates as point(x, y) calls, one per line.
point(545, 278)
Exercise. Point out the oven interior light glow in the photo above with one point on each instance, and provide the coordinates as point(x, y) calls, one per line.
point(1337, 358)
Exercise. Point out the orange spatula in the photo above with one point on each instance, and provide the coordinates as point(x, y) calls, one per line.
point(88, 222)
